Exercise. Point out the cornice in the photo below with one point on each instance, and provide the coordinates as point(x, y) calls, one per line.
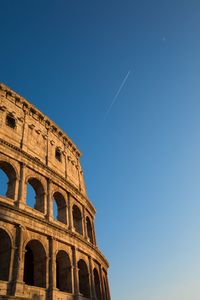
point(28, 107)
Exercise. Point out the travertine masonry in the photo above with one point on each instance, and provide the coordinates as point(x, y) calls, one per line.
point(48, 249)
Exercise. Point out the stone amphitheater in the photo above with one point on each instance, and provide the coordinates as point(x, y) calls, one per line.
point(48, 250)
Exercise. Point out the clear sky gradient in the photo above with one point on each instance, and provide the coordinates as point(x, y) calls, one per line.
point(141, 157)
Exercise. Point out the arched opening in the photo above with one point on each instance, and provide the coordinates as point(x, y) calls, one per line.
point(77, 219)
point(35, 264)
point(63, 272)
point(3, 183)
point(7, 180)
point(5, 255)
point(35, 194)
point(89, 230)
point(59, 208)
point(84, 286)
point(97, 284)
point(29, 265)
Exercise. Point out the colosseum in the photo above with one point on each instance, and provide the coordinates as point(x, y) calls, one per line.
point(48, 245)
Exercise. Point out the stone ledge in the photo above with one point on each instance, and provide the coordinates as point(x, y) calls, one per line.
point(14, 298)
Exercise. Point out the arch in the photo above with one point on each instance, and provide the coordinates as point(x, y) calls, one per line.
point(35, 264)
point(63, 272)
point(83, 274)
point(35, 194)
point(5, 255)
point(60, 211)
point(10, 173)
point(97, 284)
point(89, 230)
point(77, 219)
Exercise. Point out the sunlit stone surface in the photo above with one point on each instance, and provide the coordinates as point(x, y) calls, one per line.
point(47, 237)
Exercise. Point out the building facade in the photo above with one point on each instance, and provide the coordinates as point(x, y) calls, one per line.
point(48, 248)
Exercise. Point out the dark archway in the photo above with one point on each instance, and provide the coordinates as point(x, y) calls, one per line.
point(89, 230)
point(5, 255)
point(7, 174)
point(84, 286)
point(97, 284)
point(29, 266)
point(77, 219)
point(63, 272)
point(35, 264)
point(60, 210)
point(35, 194)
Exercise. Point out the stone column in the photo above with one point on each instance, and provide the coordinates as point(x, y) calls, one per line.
point(84, 224)
point(49, 200)
point(102, 283)
point(47, 144)
point(92, 286)
point(65, 158)
point(52, 267)
point(22, 185)
point(45, 199)
point(94, 233)
point(107, 288)
point(75, 287)
point(18, 263)
point(25, 109)
point(70, 217)
point(21, 252)
point(78, 170)
point(52, 263)
point(16, 193)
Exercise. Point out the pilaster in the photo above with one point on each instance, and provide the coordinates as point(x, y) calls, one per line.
point(51, 268)
point(84, 224)
point(49, 200)
point(107, 288)
point(94, 233)
point(22, 193)
point(23, 128)
point(17, 282)
point(102, 283)
point(92, 286)
point(70, 217)
point(75, 286)
point(65, 159)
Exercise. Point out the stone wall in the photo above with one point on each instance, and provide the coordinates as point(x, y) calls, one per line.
point(43, 256)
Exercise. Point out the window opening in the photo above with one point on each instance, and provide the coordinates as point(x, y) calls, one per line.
point(58, 154)
point(10, 121)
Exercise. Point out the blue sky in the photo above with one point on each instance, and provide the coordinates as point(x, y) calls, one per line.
point(141, 159)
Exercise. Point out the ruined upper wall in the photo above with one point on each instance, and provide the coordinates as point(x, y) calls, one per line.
point(38, 136)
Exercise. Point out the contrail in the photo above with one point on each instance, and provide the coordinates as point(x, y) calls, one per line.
point(118, 92)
